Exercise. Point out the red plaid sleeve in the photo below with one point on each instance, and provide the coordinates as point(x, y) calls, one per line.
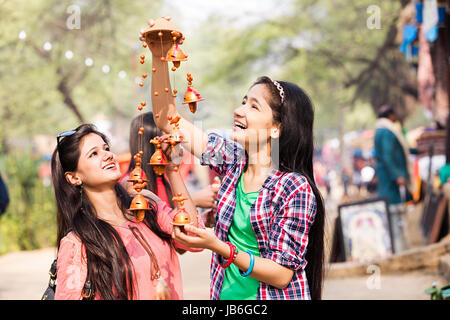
point(288, 236)
point(221, 153)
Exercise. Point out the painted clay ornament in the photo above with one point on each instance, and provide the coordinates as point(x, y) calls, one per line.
point(158, 159)
point(182, 218)
point(192, 96)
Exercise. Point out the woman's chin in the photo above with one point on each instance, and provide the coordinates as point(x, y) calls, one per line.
point(113, 176)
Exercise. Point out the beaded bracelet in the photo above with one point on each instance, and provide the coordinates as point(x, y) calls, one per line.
point(252, 264)
point(233, 254)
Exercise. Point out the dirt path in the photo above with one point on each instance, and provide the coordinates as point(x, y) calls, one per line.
point(24, 276)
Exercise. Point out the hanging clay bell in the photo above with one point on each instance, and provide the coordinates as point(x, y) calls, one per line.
point(158, 159)
point(137, 175)
point(191, 96)
point(175, 55)
point(182, 217)
point(139, 206)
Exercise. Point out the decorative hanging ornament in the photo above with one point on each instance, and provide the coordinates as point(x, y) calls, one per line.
point(192, 96)
point(160, 28)
point(139, 206)
point(137, 175)
point(158, 159)
point(176, 55)
point(182, 217)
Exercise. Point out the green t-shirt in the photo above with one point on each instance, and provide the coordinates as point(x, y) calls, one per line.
point(236, 287)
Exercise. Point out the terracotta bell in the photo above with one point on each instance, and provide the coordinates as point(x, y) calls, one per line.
point(182, 217)
point(137, 175)
point(158, 159)
point(176, 55)
point(139, 206)
point(192, 96)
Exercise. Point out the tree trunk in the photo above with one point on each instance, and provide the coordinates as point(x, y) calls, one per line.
point(67, 95)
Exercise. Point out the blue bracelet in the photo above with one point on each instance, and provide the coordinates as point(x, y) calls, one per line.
point(252, 263)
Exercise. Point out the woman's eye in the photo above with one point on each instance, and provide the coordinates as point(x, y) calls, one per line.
point(255, 107)
point(93, 154)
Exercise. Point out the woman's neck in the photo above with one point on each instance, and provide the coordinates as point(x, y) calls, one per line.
point(259, 167)
point(106, 205)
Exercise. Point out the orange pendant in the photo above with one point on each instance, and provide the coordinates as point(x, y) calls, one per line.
point(158, 159)
point(139, 206)
point(182, 217)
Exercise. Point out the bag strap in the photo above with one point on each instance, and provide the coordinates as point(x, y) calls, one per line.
point(88, 289)
point(52, 273)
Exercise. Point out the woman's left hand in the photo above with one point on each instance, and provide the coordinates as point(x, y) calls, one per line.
point(173, 154)
point(195, 237)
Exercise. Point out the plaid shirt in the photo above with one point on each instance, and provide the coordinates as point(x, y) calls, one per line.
point(280, 217)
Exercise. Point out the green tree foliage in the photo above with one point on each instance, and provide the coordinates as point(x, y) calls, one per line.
point(330, 48)
point(29, 221)
point(324, 46)
point(44, 92)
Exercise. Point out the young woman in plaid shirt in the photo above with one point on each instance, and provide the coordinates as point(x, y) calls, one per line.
point(268, 239)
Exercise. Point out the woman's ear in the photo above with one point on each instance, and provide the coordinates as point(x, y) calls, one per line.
point(73, 178)
point(275, 131)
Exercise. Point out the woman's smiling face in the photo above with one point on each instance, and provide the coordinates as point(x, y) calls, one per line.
point(253, 120)
point(97, 165)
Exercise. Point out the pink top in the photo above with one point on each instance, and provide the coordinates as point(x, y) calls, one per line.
point(72, 268)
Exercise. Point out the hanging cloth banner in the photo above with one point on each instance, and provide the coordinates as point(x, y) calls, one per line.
point(430, 19)
point(425, 74)
point(441, 107)
point(419, 12)
point(442, 10)
point(409, 35)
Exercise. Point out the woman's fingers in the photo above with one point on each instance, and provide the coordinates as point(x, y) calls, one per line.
point(183, 238)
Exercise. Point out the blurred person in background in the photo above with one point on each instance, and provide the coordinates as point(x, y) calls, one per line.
point(393, 169)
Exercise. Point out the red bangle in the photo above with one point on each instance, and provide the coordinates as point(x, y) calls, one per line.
point(233, 254)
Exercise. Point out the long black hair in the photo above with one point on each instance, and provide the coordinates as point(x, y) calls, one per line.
point(150, 132)
point(296, 149)
point(108, 263)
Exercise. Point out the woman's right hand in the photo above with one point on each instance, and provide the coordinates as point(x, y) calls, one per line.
point(207, 197)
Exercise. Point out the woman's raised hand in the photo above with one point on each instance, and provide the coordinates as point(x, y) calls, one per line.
point(173, 154)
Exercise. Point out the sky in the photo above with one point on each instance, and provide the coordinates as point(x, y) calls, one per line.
point(238, 11)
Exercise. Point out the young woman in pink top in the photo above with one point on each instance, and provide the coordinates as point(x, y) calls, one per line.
point(98, 239)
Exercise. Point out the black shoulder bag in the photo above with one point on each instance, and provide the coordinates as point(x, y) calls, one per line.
point(49, 294)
